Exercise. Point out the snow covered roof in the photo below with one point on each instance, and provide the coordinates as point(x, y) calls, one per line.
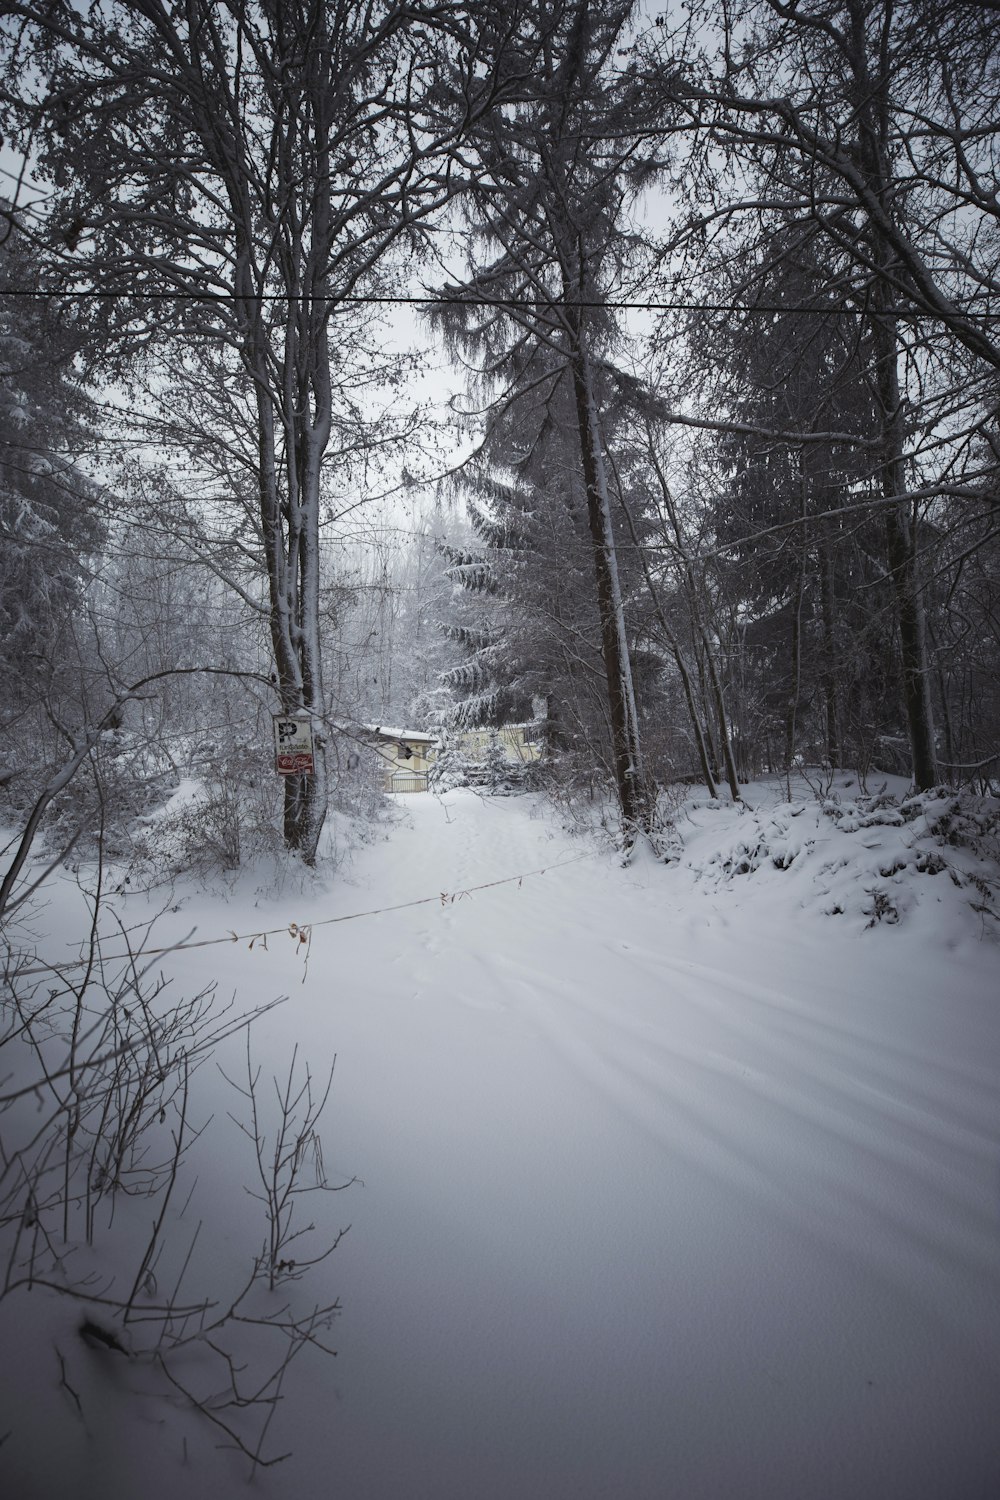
point(385, 733)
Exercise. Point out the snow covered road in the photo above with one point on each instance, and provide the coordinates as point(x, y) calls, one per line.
point(672, 1190)
point(664, 1195)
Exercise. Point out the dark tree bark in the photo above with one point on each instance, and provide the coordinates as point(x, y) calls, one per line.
point(229, 174)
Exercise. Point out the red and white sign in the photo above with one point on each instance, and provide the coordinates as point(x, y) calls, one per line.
point(293, 747)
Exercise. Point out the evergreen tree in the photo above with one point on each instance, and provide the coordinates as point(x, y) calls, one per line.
point(50, 516)
point(549, 238)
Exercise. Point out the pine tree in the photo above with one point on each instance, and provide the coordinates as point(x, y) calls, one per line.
point(488, 685)
point(549, 235)
point(50, 515)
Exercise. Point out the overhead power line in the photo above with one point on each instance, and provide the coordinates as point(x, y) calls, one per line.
point(533, 304)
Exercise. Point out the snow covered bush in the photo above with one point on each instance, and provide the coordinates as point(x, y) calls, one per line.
point(99, 1122)
point(862, 855)
point(504, 775)
point(218, 818)
point(452, 769)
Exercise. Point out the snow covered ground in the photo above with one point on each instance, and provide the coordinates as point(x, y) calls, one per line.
point(675, 1181)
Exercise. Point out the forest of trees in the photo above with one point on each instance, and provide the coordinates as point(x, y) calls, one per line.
point(705, 479)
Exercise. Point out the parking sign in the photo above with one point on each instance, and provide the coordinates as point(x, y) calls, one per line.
point(293, 748)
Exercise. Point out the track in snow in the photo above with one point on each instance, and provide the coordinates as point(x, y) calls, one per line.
point(657, 1202)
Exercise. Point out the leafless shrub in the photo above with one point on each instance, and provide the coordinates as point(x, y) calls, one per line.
point(96, 1063)
point(285, 1158)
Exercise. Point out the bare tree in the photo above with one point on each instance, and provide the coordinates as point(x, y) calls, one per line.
point(231, 176)
point(872, 126)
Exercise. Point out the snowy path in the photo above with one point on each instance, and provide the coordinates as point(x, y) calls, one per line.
point(668, 1192)
point(660, 1199)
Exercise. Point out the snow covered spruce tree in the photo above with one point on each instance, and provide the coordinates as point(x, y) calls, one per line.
point(548, 241)
point(796, 550)
point(487, 686)
point(50, 515)
point(529, 630)
point(417, 648)
point(872, 126)
point(226, 176)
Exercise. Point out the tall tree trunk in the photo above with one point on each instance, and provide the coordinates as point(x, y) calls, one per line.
point(795, 683)
point(723, 719)
point(678, 655)
point(707, 698)
point(873, 117)
point(824, 555)
point(901, 554)
point(707, 649)
point(626, 748)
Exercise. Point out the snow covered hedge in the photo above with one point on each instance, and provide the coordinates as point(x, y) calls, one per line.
point(860, 855)
point(496, 772)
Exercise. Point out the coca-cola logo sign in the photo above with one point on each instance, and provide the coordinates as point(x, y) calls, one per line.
point(293, 747)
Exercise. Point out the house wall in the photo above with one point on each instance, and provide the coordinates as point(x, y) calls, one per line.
point(405, 774)
point(409, 774)
point(513, 738)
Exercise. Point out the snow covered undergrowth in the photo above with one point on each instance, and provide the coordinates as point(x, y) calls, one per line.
point(673, 1184)
point(856, 853)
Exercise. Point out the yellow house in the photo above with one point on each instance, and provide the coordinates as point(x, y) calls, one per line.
point(405, 757)
point(513, 739)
